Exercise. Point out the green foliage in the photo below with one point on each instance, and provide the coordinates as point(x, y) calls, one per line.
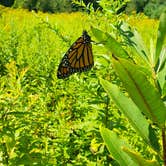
point(7, 2)
point(151, 8)
point(161, 39)
point(52, 6)
point(155, 8)
point(55, 6)
point(144, 95)
point(119, 149)
point(113, 6)
point(128, 107)
point(46, 121)
point(86, 5)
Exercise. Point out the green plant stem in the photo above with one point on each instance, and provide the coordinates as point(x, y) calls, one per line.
point(164, 145)
point(106, 113)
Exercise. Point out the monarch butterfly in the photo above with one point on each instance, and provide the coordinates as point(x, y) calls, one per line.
point(78, 58)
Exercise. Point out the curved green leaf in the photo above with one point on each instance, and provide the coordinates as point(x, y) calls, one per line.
point(141, 91)
point(110, 43)
point(115, 145)
point(137, 158)
point(131, 111)
point(161, 35)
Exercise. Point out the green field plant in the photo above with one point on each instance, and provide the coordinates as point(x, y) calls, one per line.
point(48, 121)
point(142, 71)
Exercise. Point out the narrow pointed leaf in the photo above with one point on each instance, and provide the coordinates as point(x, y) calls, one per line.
point(130, 110)
point(110, 43)
point(140, 45)
point(115, 145)
point(141, 91)
point(141, 161)
point(161, 35)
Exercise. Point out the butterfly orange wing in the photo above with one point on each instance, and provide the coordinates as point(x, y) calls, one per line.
point(78, 58)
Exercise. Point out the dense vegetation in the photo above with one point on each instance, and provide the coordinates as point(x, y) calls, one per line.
point(151, 8)
point(46, 121)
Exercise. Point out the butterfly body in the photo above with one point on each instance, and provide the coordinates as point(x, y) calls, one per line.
point(78, 58)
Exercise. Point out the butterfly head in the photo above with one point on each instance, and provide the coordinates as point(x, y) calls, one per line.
point(86, 37)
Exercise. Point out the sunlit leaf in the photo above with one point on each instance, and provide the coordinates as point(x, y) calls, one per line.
point(131, 111)
point(115, 145)
point(110, 43)
point(161, 35)
point(141, 91)
point(141, 161)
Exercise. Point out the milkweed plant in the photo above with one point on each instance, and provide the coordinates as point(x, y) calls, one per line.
point(142, 72)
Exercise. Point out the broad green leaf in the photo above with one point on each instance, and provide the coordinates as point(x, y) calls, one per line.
point(110, 43)
point(141, 161)
point(115, 145)
point(140, 45)
point(131, 111)
point(161, 35)
point(141, 91)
